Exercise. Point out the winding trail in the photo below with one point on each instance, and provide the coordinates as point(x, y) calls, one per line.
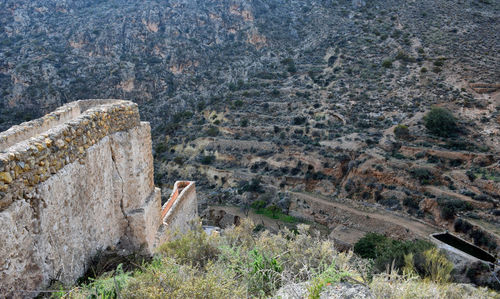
point(416, 226)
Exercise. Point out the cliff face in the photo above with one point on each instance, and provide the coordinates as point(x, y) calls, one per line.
point(82, 185)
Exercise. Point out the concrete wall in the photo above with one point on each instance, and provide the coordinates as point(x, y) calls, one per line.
point(71, 183)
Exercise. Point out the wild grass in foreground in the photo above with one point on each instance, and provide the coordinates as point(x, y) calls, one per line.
point(243, 264)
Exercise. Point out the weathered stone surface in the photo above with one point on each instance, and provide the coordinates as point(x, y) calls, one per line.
point(18, 258)
point(133, 161)
point(336, 291)
point(145, 221)
point(73, 189)
point(178, 211)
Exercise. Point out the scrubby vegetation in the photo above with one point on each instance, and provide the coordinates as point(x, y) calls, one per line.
point(241, 263)
point(402, 132)
point(271, 211)
point(418, 257)
point(440, 122)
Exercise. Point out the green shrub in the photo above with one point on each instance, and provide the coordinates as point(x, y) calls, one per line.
point(264, 272)
point(243, 264)
point(423, 175)
point(237, 103)
point(368, 246)
point(387, 252)
point(299, 120)
point(402, 132)
point(160, 148)
point(179, 160)
point(207, 159)
point(195, 248)
point(482, 238)
point(330, 276)
point(440, 122)
point(167, 278)
point(272, 211)
point(404, 57)
point(387, 63)
point(462, 226)
point(258, 204)
point(253, 186)
point(107, 286)
point(212, 131)
point(290, 65)
point(439, 62)
point(182, 115)
point(411, 203)
point(449, 207)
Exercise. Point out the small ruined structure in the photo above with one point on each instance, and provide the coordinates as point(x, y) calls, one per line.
point(74, 182)
point(460, 249)
point(178, 212)
point(484, 87)
point(464, 255)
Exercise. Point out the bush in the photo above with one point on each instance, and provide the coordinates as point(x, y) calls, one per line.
point(243, 264)
point(411, 203)
point(437, 267)
point(160, 148)
point(195, 248)
point(212, 131)
point(299, 120)
point(423, 175)
point(462, 226)
point(237, 103)
point(440, 122)
point(258, 204)
point(182, 115)
point(179, 160)
point(394, 285)
point(253, 186)
point(482, 238)
point(386, 252)
point(207, 159)
point(449, 207)
point(402, 132)
point(387, 63)
point(290, 65)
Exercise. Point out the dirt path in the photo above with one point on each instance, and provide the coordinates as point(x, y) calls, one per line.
point(416, 226)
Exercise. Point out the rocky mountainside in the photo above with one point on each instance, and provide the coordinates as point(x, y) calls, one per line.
point(255, 99)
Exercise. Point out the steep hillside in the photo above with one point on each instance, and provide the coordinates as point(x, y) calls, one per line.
point(254, 99)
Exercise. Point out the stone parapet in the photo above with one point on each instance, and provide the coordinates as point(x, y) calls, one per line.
point(74, 182)
point(179, 210)
point(56, 140)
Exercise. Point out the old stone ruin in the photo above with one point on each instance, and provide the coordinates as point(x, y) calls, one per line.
point(77, 181)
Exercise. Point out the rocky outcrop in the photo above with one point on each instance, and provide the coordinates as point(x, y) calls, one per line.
point(74, 182)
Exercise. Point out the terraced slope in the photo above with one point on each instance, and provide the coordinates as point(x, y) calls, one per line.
point(303, 95)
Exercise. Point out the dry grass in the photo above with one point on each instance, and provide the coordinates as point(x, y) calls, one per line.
point(395, 286)
point(244, 264)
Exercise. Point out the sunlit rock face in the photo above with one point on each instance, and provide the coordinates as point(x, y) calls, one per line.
point(85, 184)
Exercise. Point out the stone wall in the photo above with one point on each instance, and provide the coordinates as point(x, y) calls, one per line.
point(178, 212)
point(74, 182)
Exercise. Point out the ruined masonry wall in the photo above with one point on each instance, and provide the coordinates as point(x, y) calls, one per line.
point(74, 182)
point(180, 210)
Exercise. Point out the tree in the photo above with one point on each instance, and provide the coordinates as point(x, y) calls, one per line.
point(440, 122)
